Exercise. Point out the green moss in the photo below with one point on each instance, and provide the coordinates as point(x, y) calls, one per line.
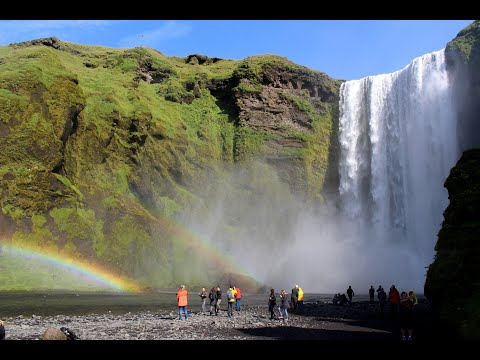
point(93, 153)
point(465, 41)
point(65, 181)
point(453, 282)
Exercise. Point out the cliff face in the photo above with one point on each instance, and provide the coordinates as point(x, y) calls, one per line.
point(453, 283)
point(453, 280)
point(102, 148)
point(463, 56)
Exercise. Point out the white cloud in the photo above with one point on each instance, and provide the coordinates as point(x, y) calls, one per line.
point(169, 30)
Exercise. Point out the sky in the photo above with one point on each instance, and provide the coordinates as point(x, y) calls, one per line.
point(344, 49)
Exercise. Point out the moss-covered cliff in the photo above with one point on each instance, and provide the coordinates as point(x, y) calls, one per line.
point(453, 279)
point(101, 148)
point(463, 56)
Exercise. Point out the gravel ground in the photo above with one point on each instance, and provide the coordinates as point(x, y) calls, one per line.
point(319, 321)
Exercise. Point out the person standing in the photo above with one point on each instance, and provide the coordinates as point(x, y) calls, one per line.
point(413, 297)
point(350, 294)
point(272, 301)
point(238, 297)
point(2, 330)
point(219, 300)
point(230, 300)
point(213, 300)
point(406, 316)
point(203, 297)
point(300, 299)
point(283, 305)
point(182, 300)
point(382, 298)
point(371, 292)
point(293, 298)
point(394, 300)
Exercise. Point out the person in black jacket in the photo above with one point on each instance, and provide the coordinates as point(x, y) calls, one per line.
point(371, 292)
point(350, 294)
point(2, 330)
point(272, 301)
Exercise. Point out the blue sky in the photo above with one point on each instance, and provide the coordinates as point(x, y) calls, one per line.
point(344, 49)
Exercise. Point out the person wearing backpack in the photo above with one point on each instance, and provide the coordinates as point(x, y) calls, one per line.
point(230, 300)
point(238, 297)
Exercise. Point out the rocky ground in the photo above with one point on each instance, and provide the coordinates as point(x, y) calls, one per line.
point(319, 321)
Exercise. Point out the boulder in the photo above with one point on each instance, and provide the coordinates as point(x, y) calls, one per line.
point(53, 334)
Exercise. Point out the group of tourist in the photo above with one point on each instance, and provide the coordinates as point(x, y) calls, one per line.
point(402, 305)
point(234, 297)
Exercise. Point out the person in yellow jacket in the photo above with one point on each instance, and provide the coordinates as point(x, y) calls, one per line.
point(300, 299)
point(413, 297)
point(230, 300)
point(182, 300)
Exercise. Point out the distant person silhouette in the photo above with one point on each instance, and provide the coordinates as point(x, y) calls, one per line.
point(350, 294)
point(371, 292)
point(394, 300)
point(406, 316)
point(382, 298)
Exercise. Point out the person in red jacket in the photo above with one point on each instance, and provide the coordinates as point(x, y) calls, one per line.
point(238, 297)
point(182, 300)
point(394, 300)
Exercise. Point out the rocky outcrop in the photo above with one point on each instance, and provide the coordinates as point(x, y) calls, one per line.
point(463, 56)
point(453, 280)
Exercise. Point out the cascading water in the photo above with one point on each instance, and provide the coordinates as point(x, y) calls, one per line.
point(398, 144)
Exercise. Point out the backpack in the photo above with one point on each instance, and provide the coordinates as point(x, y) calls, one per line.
point(69, 334)
point(229, 294)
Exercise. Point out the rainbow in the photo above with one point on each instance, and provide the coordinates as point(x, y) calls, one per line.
point(86, 269)
point(204, 247)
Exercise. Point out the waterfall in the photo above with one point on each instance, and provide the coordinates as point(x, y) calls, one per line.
point(398, 143)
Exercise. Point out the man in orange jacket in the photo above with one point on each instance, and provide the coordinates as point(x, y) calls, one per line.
point(182, 300)
point(238, 297)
